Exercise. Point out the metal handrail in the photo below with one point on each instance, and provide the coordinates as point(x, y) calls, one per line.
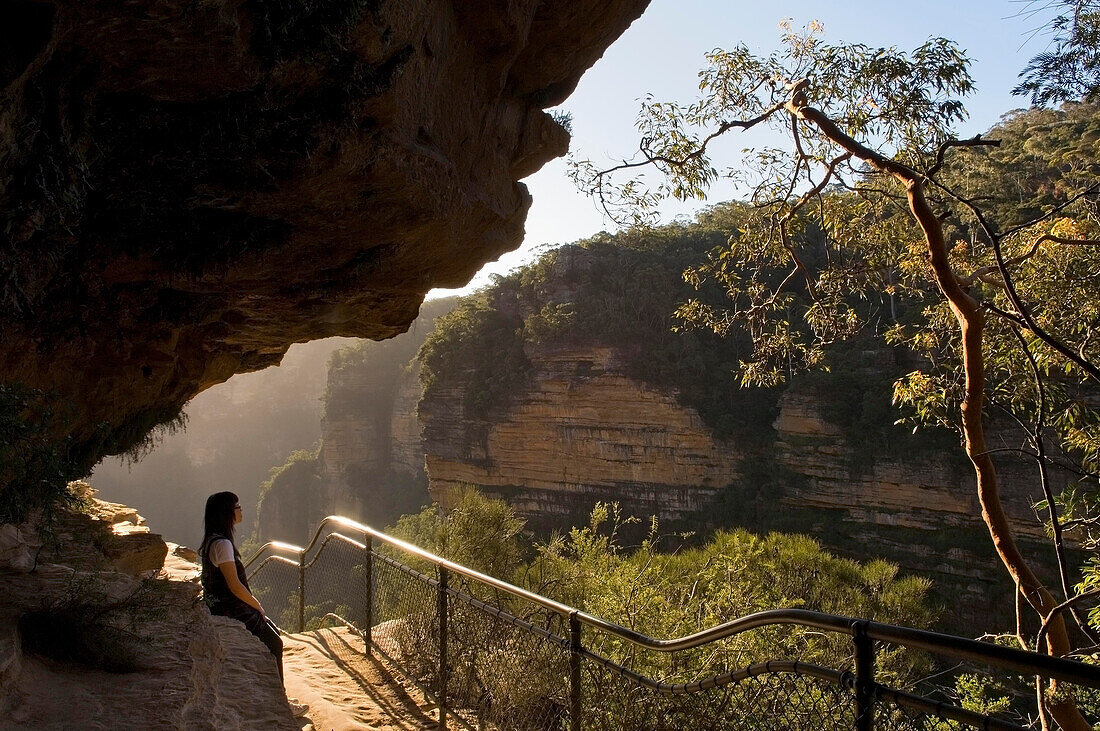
point(278, 545)
point(276, 559)
point(339, 537)
point(1020, 661)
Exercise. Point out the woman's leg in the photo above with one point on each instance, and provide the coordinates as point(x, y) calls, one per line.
point(263, 628)
point(270, 637)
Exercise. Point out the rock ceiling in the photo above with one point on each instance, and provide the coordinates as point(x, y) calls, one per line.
point(189, 188)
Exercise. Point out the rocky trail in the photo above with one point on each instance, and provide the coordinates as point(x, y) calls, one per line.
point(346, 689)
point(102, 627)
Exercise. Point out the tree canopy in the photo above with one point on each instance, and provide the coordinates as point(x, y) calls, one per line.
point(991, 247)
point(1070, 69)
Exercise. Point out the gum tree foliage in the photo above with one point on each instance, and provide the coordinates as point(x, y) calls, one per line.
point(1070, 68)
point(999, 297)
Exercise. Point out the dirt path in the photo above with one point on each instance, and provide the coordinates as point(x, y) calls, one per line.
point(346, 690)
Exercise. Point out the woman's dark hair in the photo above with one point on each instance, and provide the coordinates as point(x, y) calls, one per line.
point(219, 515)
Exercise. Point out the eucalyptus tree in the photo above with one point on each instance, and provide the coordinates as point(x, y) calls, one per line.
point(1070, 68)
point(867, 166)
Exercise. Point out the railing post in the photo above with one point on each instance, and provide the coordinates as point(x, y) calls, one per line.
point(865, 676)
point(369, 568)
point(575, 721)
point(443, 648)
point(302, 591)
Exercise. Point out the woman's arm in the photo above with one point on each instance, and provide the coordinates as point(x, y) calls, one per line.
point(229, 571)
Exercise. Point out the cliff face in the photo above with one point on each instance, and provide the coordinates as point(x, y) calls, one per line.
point(370, 463)
point(189, 189)
point(583, 433)
point(354, 440)
point(917, 507)
point(922, 490)
point(406, 449)
point(370, 467)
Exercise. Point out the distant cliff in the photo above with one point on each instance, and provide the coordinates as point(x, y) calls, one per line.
point(564, 384)
point(583, 432)
point(570, 382)
point(369, 464)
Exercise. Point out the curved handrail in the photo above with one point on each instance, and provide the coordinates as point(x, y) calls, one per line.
point(1021, 661)
point(277, 545)
point(278, 559)
point(329, 537)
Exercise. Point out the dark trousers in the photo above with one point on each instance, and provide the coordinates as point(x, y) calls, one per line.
point(258, 625)
point(270, 636)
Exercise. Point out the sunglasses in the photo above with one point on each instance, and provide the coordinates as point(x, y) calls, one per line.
point(237, 507)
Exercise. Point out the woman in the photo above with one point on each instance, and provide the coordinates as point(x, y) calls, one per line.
point(224, 582)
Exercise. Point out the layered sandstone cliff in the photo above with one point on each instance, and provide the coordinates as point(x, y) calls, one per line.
point(583, 433)
point(913, 488)
point(913, 505)
point(187, 189)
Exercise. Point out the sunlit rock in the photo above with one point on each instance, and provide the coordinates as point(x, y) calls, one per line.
point(126, 651)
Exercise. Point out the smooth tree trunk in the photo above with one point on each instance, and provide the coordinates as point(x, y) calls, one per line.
point(971, 322)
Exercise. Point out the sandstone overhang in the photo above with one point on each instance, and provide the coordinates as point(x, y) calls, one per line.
point(188, 188)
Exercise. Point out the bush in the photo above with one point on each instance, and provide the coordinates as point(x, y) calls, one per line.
point(502, 671)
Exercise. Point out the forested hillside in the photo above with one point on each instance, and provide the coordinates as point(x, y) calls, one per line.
point(603, 372)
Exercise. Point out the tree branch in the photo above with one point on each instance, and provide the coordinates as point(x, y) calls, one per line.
point(1039, 442)
point(699, 151)
point(941, 153)
point(1073, 601)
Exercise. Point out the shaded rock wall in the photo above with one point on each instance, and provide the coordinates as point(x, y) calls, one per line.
point(186, 190)
point(406, 448)
point(921, 489)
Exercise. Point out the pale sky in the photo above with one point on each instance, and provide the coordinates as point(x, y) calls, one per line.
point(662, 53)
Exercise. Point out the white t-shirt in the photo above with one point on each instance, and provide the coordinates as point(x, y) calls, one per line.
point(221, 551)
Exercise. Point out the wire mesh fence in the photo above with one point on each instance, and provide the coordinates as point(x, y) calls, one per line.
point(275, 583)
point(765, 700)
point(336, 583)
point(406, 619)
point(493, 656)
point(508, 660)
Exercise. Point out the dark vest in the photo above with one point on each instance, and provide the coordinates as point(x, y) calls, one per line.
point(215, 589)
